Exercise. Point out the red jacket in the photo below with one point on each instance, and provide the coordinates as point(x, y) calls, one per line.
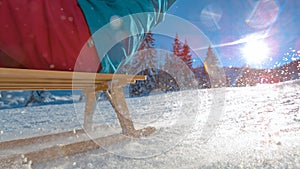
point(45, 35)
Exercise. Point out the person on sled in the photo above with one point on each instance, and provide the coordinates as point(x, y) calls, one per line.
point(49, 35)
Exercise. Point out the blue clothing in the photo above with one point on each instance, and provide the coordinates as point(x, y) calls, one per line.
point(123, 37)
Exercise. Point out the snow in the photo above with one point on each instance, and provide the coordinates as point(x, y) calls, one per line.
point(15, 99)
point(247, 127)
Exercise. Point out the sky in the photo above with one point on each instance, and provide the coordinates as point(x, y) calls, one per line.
point(261, 34)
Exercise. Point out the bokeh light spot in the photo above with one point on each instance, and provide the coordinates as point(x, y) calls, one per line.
point(265, 12)
point(115, 22)
point(210, 17)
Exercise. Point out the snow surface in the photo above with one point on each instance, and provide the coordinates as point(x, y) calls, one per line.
point(249, 127)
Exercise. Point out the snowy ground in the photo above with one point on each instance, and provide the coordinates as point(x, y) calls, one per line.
point(258, 127)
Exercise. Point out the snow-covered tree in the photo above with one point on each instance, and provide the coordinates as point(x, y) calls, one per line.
point(146, 64)
point(212, 66)
point(211, 60)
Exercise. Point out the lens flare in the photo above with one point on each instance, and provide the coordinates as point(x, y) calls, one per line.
point(263, 15)
point(210, 17)
point(255, 51)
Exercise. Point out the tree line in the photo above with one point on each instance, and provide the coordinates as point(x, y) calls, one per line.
point(159, 77)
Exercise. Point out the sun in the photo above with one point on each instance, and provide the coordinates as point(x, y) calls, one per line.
point(255, 51)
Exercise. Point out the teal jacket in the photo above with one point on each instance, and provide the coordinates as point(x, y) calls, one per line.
point(118, 26)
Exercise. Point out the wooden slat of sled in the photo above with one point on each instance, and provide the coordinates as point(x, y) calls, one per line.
point(65, 75)
point(90, 83)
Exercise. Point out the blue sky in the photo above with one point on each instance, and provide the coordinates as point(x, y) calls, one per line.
point(230, 24)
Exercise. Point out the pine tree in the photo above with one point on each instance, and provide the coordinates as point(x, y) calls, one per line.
point(186, 55)
point(177, 46)
point(211, 58)
point(147, 56)
point(182, 51)
point(212, 67)
point(148, 42)
point(147, 61)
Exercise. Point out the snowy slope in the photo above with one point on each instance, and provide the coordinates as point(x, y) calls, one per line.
point(17, 99)
point(257, 127)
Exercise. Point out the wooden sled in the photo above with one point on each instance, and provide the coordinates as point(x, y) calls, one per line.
point(90, 84)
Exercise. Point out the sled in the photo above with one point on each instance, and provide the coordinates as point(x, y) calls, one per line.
point(90, 84)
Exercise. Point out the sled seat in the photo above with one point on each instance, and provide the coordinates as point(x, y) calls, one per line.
point(89, 83)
